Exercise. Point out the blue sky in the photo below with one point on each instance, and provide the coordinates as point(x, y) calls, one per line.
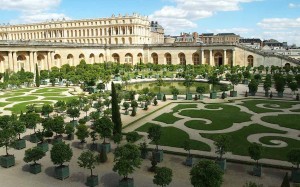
point(265, 19)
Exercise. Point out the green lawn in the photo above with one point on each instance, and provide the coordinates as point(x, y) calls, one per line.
point(2, 104)
point(22, 90)
point(23, 98)
point(183, 106)
point(10, 94)
point(174, 137)
point(239, 144)
point(60, 98)
point(291, 121)
point(167, 118)
point(297, 110)
point(221, 119)
point(251, 105)
point(51, 94)
point(47, 90)
point(22, 106)
point(196, 124)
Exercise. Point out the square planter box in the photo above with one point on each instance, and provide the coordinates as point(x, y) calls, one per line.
point(44, 146)
point(92, 181)
point(143, 77)
point(61, 172)
point(246, 82)
point(174, 97)
point(129, 182)
point(257, 170)
point(70, 137)
point(35, 168)
point(222, 164)
point(33, 138)
point(160, 96)
point(75, 122)
point(105, 147)
point(252, 93)
point(201, 97)
point(295, 175)
point(266, 94)
point(7, 161)
point(189, 96)
point(224, 95)
point(213, 95)
point(233, 93)
point(94, 146)
point(144, 154)
point(126, 112)
point(57, 140)
point(158, 155)
point(189, 161)
point(20, 144)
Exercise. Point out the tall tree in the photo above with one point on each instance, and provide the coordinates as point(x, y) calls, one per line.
point(37, 76)
point(116, 116)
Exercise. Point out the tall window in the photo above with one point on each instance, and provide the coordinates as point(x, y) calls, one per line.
point(128, 58)
point(250, 60)
point(168, 58)
point(155, 58)
point(182, 59)
point(196, 59)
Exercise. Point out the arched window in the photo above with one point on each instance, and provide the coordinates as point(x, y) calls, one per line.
point(116, 58)
point(182, 60)
point(101, 58)
point(140, 57)
point(57, 59)
point(154, 58)
point(218, 59)
point(81, 56)
point(168, 58)
point(196, 59)
point(250, 60)
point(70, 59)
point(92, 58)
point(128, 58)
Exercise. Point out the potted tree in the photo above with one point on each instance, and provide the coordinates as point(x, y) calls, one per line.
point(206, 173)
point(254, 151)
point(128, 156)
point(294, 157)
point(19, 128)
point(163, 176)
point(253, 86)
point(104, 127)
point(247, 76)
point(7, 139)
point(59, 154)
point(31, 119)
point(47, 110)
point(42, 143)
point(235, 79)
point(200, 90)
point(69, 130)
point(188, 82)
point(187, 147)
point(93, 136)
point(144, 150)
point(126, 106)
point(154, 134)
point(33, 155)
point(58, 128)
point(224, 89)
point(222, 145)
point(280, 82)
point(174, 92)
point(88, 160)
point(214, 80)
point(73, 113)
point(267, 86)
point(82, 133)
point(159, 84)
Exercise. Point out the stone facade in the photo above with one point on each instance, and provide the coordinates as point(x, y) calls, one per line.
point(15, 55)
point(118, 30)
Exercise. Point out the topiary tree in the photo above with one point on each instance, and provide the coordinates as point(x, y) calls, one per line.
point(104, 127)
point(187, 146)
point(37, 76)
point(222, 145)
point(61, 153)
point(87, 160)
point(154, 134)
point(127, 158)
point(73, 113)
point(155, 102)
point(163, 176)
point(33, 155)
point(82, 132)
point(235, 79)
point(117, 138)
point(132, 137)
point(69, 130)
point(58, 125)
point(8, 135)
point(19, 127)
point(255, 151)
point(47, 109)
point(126, 105)
point(294, 157)
point(293, 86)
point(253, 86)
point(116, 116)
point(206, 173)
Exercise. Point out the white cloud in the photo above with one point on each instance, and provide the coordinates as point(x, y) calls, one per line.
point(186, 12)
point(293, 5)
point(33, 10)
point(279, 23)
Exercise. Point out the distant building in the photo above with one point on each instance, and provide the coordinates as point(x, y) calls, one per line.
point(188, 38)
point(210, 38)
point(254, 43)
point(274, 44)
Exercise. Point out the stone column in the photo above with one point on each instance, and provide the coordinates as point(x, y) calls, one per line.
point(34, 60)
point(210, 57)
point(225, 58)
point(10, 64)
point(49, 61)
point(15, 64)
point(31, 62)
point(202, 56)
point(233, 58)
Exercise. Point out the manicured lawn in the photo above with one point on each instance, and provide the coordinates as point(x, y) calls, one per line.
point(23, 98)
point(291, 121)
point(251, 105)
point(239, 144)
point(22, 90)
point(167, 118)
point(10, 94)
point(297, 110)
point(47, 90)
point(183, 106)
point(59, 98)
point(221, 119)
point(174, 137)
point(196, 124)
point(51, 94)
point(22, 106)
point(2, 104)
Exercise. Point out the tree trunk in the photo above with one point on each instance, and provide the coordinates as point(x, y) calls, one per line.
point(91, 172)
point(6, 149)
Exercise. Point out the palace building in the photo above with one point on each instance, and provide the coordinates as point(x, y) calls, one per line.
point(121, 39)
